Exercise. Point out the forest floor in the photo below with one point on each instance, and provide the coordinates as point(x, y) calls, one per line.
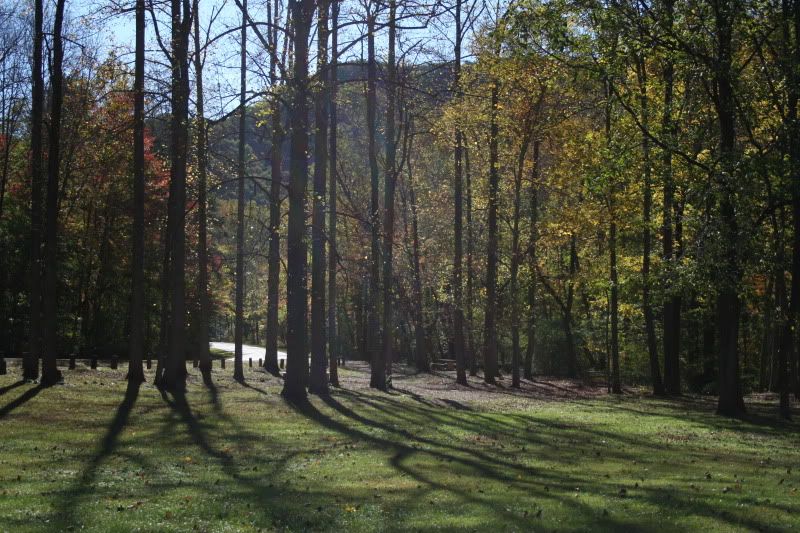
point(95, 455)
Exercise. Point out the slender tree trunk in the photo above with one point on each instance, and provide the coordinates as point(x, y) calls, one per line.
point(378, 370)
point(421, 354)
point(534, 216)
point(388, 197)
point(318, 383)
point(473, 360)
point(786, 353)
point(136, 343)
point(490, 319)
point(203, 355)
point(616, 386)
point(30, 364)
point(647, 308)
point(296, 338)
point(516, 351)
point(276, 179)
point(458, 245)
point(50, 372)
point(333, 338)
point(238, 332)
point(731, 402)
point(175, 365)
point(671, 312)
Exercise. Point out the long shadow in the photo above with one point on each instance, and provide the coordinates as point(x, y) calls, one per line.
point(21, 399)
point(484, 466)
point(11, 387)
point(85, 482)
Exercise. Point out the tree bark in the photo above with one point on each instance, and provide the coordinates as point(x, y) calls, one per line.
point(390, 180)
point(516, 351)
point(671, 312)
point(730, 402)
point(647, 193)
point(276, 179)
point(490, 319)
point(203, 319)
point(318, 382)
point(296, 338)
point(136, 342)
point(458, 245)
point(378, 363)
point(333, 338)
point(534, 230)
point(241, 169)
point(30, 363)
point(50, 372)
point(175, 365)
point(470, 348)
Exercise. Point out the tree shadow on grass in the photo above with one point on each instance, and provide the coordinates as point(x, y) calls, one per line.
point(421, 455)
point(450, 457)
point(20, 400)
point(11, 387)
point(85, 484)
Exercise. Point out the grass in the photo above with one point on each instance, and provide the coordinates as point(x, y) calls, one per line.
point(93, 455)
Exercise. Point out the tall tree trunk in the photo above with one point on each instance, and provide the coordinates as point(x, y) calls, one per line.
point(378, 363)
point(238, 331)
point(136, 343)
point(390, 180)
point(672, 303)
point(534, 230)
point(30, 364)
point(647, 308)
point(296, 337)
point(50, 372)
point(318, 383)
point(490, 319)
point(458, 245)
point(276, 179)
point(470, 349)
point(731, 402)
point(516, 354)
point(202, 207)
point(421, 354)
point(786, 349)
point(616, 386)
point(333, 338)
point(175, 365)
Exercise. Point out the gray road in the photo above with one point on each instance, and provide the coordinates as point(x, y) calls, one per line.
point(256, 352)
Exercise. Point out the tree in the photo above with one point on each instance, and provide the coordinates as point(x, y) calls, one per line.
point(276, 180)
point(201, 147)
point(390, 180)
point(50, 372)
point(318, 382)
point(730, 402)
point(333, 338)
point(136, 347)
point(238, 370)
point(30, 365)
point(490, 316)
point(174, 377)
point(378, 363)
point(458, 304)
point(296, 338)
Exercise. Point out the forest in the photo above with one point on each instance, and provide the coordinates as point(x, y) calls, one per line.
point(441, 244)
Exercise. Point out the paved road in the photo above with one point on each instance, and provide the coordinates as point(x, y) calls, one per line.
point(256, 352)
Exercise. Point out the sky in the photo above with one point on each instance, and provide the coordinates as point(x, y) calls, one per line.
point(115, 31)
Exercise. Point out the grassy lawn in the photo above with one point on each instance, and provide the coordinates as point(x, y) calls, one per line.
point(91, 455)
